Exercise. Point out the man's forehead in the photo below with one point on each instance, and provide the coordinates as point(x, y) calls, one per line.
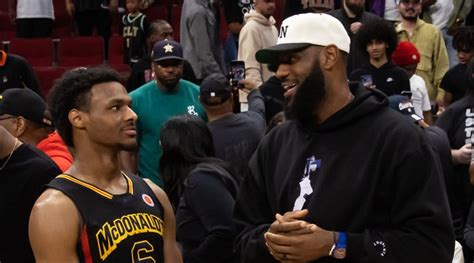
point(107, 90)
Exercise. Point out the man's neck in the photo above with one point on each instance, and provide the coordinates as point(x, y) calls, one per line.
point(214, 117)
point(379, 62)
point(409, 25)
point(260, 12)
point(96, 164)
point(335, 99)
point(7, 143)
point(165, 88)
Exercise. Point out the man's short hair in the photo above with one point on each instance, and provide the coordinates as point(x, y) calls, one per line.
point(380, 30)
point(72, 91)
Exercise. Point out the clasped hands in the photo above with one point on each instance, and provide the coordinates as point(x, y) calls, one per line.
point(291, 239)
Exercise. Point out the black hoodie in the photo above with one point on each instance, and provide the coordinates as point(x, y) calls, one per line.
point(372, 175)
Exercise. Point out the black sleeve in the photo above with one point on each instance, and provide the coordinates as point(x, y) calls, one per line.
point(446, 82)
point(404, 81)
point(419, 213)
point(212, 202)
point(256, 103)
point(446, 122)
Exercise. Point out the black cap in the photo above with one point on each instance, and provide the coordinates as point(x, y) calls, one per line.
point(166, 49)
point(215, 85)
point(25, 103)
point(403, 105)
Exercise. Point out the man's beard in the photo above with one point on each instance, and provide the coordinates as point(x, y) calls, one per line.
point(355, 8)
point(410, 18)
point(307, 97)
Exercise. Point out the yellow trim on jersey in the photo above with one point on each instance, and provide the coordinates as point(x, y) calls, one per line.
point(130, 183)
point(93, 188)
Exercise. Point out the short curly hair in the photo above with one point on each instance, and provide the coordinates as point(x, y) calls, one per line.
point(380, 30)
point(463, 40)
point(72, 91)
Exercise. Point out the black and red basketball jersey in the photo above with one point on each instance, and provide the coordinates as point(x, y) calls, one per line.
point(117, 228)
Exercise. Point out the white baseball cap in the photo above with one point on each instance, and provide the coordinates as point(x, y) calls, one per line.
point(303, 30)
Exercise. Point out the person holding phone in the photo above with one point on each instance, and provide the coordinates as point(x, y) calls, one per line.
point(379, 40)
point(235, 136)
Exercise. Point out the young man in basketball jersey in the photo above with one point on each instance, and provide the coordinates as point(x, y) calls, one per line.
point(95, 212)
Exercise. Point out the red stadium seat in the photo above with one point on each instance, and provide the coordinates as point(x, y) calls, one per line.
point(81, 51)
point(116, 56)
point(156, 12)
point(46, 77)
point(116, 49)
point(38, 51)
point(63, 24)
point(7, 30)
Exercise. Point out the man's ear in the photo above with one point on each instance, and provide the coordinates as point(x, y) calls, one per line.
point(20, 126)
point(77, 118)
point(329, 57)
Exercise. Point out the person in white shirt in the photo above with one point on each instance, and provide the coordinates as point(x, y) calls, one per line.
point(407, 56)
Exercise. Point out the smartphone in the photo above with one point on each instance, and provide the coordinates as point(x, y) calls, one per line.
point(237, 68)
point(366, 80)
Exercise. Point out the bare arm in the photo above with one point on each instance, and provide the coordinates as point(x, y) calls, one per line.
point(70, 7)
point(54, 228)
point(128, 161)
point(170, 247)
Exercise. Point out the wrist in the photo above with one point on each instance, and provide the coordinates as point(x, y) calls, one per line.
point(340, 246)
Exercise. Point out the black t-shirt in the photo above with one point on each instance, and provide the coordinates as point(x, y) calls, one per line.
point(17, 73)
point(237, 136)
point(142, 73)
point(21, 183)
point(458, 123)
point(390, 79)
point(455, 82)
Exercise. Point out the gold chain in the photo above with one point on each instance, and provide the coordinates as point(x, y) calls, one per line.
point(10, 155)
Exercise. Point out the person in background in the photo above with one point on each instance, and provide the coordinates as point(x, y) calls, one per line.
point(24, 171)
point(379, 40)
point(141, 72)
point(258, 32)
point(235, 136)
point(16, 72)
point(204, 190)
point(353, 17)
point(32, 18)
point(439, 141)
point(157, 101)
point(199, 35)
point(429, 42)
point(456, 122)
point(134, 32)
point(407, 56)
point(454, 82)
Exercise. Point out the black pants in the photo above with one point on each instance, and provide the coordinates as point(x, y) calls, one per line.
point(90, 19)
point(34, 27)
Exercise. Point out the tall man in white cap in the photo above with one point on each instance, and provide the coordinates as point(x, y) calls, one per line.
point(346, 177)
